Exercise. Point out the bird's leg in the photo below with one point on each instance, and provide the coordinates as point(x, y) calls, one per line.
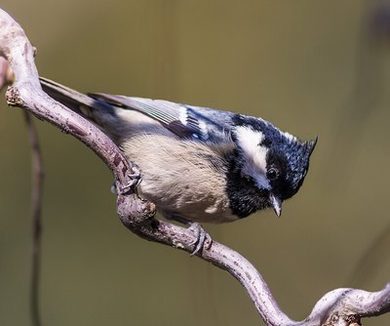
point(200, 233)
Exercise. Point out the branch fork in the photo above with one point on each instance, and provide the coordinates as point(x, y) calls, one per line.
point(339, 307)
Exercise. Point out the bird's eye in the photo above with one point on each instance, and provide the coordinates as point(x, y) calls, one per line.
point(272, 174)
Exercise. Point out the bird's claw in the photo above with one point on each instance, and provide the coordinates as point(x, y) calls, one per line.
point(202, 237)
point(135, 179)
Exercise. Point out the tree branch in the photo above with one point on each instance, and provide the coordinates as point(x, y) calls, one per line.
point(338, 307)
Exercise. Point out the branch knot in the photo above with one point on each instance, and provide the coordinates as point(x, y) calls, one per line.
point(13, 97)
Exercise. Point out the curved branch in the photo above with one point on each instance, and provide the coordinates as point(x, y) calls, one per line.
point(338, 307)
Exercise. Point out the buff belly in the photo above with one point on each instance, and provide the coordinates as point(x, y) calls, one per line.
point(178, 177)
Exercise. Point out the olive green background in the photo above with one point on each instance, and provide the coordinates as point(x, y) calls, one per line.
point(311, 67)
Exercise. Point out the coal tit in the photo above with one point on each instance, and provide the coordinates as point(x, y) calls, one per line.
point(197, 163)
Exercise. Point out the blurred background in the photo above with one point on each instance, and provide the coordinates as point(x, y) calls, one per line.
point(311, 67)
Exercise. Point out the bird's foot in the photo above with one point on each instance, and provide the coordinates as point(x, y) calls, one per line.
point(135, 180)
point(202, 238)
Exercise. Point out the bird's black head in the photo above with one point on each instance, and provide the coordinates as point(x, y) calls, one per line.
point(273, 164)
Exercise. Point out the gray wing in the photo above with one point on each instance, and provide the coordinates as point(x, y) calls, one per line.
point(185, 121)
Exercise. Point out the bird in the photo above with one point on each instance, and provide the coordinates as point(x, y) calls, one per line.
point(198, 164)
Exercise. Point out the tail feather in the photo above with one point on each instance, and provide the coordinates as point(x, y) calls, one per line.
point(76, 101)
point(101, 113)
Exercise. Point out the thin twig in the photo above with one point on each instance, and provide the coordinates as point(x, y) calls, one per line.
point(339, 307)
point(36, 206)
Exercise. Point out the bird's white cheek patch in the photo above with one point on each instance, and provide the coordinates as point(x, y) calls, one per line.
point(249, 141)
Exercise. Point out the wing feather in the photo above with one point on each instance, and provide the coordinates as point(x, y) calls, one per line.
point(181, 119)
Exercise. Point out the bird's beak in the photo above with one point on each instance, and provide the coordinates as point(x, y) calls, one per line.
point(276, 204)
